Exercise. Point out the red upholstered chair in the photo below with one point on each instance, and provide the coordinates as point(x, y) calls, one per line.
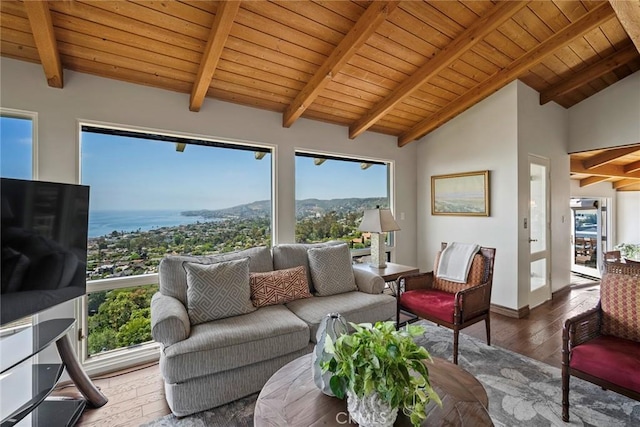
point(449, 304)
point(602, 345)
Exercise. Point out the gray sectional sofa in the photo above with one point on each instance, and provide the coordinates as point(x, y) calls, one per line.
point(212, 363)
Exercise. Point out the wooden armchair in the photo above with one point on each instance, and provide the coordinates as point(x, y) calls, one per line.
point(449, 304)
point(602, 345)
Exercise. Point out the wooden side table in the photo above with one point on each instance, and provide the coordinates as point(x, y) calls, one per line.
point(390, 273)
point(290, 398)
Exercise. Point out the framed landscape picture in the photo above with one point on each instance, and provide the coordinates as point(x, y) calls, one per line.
point(460, 194)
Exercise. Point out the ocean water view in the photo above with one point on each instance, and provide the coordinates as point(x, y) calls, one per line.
point(102, 223)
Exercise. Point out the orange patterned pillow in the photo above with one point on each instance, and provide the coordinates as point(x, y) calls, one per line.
point(475, 277)
point(620, 300)
point(279, 286)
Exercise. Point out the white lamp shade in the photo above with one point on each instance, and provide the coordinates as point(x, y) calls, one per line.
point(378, 221)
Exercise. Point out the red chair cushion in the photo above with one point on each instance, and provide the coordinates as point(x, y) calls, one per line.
point(429, 302)
point(610, 358)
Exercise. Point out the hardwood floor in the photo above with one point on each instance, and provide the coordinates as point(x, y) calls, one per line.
point(137, 396)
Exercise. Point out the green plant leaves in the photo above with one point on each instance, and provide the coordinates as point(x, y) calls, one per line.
point(379, 358)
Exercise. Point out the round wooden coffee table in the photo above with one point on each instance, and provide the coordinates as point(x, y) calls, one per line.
point(290, 398)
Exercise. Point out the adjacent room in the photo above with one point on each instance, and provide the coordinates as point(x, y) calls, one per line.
point(208, 205)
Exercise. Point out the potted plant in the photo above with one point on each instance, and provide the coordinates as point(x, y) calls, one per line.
point(381, 370)
point(629, 250)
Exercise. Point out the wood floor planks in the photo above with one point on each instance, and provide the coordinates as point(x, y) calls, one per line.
point(137, 396)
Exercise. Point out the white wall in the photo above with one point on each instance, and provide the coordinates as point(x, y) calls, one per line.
point(498, 134)
point(87, 97)
point(543, 131)
point(484, 137)
point(609, 118)
point(628, 217)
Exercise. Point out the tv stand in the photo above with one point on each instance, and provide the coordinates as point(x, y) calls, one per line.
point(18, 348)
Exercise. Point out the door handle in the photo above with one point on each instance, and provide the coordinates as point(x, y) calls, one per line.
point(533, 240)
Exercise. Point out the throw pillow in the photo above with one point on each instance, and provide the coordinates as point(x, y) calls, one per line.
point(331, 270)
point(216, 291)
point(279, 286)
point(620, 301)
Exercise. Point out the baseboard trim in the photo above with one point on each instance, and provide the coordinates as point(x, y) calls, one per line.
point(562, 291)
point(510, 312)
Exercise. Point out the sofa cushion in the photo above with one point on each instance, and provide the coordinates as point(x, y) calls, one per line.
point(620, 300)
point(216, 291)
point(279, 286)
point(477, 275)
point(356, 307)
point(613, 359)
point(293, 255)
point(331, 270)
point(173, 279)
point(234, 342)
point(290, 255)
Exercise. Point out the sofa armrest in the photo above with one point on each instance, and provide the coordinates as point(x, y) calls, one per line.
point(368, 282)
point(169, 320)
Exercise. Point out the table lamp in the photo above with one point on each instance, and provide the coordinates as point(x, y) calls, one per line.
point(378, 222)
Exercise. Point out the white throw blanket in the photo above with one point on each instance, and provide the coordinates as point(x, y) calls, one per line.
point(455, 261)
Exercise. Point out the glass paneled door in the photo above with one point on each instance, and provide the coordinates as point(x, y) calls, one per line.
point(539, 242)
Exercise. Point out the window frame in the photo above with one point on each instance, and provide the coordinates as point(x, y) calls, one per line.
point(27, 115)
point(33, 116)
point(391, 189)
point(147, 352)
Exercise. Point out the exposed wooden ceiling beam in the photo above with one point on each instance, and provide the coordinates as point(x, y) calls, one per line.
point(376, 14)
point(608, 156)
point(42, 28)
point(585, 23)
point(632, 167)
point(592, 180)
point(590, 73)
point(488, 23)
point(225, 15)
point(634, 187)
point(606, 170)
point(628, 12)
point(625, 183)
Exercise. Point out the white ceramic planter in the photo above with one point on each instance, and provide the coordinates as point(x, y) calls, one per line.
point(370, 411)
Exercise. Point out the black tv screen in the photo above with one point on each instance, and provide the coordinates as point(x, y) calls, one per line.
point(44, 245)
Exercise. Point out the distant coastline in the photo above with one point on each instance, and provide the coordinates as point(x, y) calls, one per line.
point(102, 223)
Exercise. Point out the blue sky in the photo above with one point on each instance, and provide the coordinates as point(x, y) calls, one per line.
point(15, 151)
point(132, 173)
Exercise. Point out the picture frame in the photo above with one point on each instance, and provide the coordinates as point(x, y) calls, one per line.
point(464, 194)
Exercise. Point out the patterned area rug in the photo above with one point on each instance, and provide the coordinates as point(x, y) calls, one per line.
point(522, 391)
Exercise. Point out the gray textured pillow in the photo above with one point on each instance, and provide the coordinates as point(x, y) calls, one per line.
point(216, 291)
point(331, 270)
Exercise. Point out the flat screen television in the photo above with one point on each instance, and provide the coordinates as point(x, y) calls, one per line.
point(44, 245)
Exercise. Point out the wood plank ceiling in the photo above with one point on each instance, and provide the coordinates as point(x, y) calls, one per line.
point(620, 166)
point(401, 68)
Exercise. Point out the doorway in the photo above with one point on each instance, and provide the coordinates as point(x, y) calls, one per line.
point(590, 225)
point(539, 231)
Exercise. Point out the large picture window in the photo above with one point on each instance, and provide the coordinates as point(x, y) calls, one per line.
point(332, 193)
point(153, 195)
point(17, 150)
point(16, 136)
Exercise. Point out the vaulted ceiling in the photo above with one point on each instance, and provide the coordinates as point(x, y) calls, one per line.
point(399, 68)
